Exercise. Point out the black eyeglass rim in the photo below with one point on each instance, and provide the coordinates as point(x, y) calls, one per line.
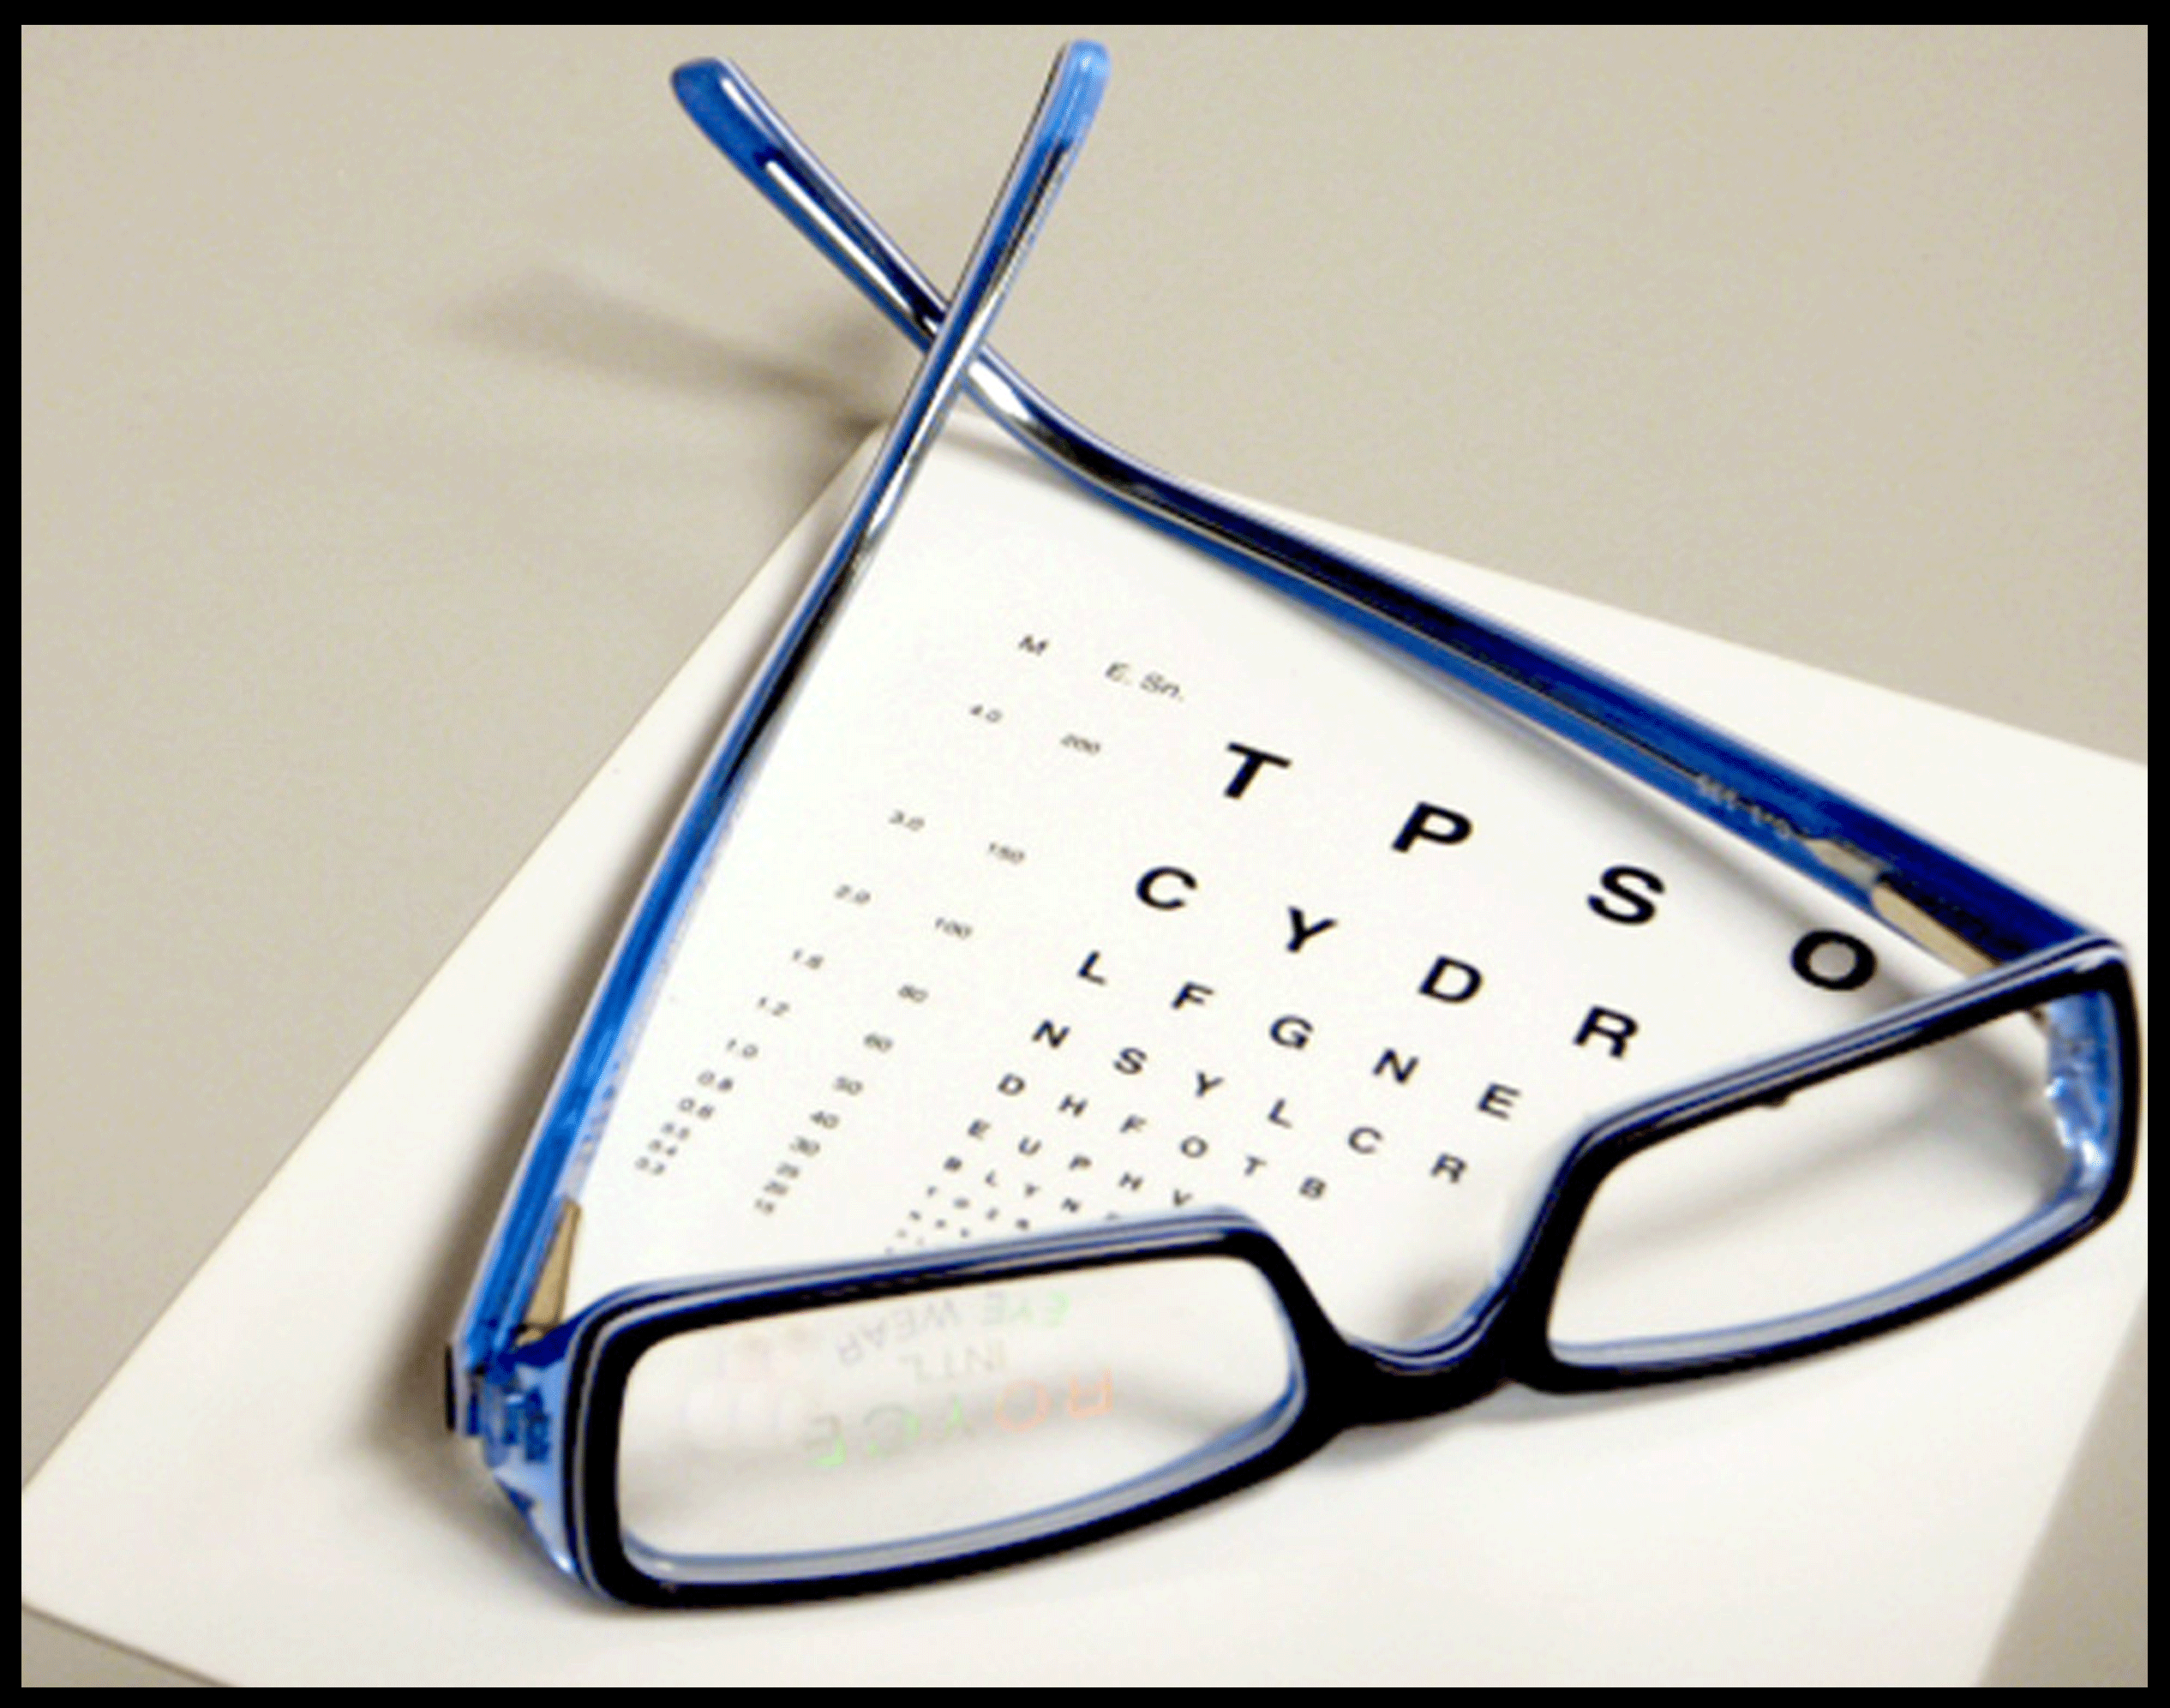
point(616, 1335)
point(2089, 967)
point(1345, 1382)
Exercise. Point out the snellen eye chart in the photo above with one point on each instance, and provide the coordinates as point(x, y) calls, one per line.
point(1085, 877)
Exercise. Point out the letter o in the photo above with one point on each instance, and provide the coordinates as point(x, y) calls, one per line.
point(1859, 968)
point(1017, 1423)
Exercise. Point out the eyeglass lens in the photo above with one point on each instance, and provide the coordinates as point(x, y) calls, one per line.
point(1849, 1186)
point(862, 1426)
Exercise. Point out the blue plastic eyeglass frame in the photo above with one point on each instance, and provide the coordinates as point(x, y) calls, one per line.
point(543, 1395)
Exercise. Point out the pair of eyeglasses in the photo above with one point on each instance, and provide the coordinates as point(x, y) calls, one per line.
point(882, 1222)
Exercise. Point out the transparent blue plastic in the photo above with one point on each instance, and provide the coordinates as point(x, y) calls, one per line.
point(546, 1402)
point(519, 1247)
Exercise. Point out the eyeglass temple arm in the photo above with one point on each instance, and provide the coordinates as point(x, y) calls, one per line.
point(520, 1292)
point(1964, 916)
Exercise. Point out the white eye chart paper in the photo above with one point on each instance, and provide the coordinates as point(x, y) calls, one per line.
point(1280, 972)
point(1088, 877)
